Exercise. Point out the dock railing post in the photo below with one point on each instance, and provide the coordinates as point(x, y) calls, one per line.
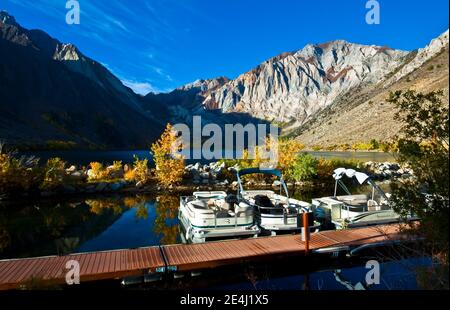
point(305, 232)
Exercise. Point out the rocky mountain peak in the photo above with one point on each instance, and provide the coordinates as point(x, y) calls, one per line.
point(7, 19)
point(204, 85)
point(422, 55)
point(67, 52)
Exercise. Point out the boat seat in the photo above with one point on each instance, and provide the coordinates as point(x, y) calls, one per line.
point(200, 207)
point(263, 201)
point(354, 200)
point(242, 207)
point(199, 204)
point(254, 193)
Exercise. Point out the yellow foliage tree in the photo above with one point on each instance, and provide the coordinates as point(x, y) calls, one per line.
point(288, 150)
point(169, 166)
point(55, 172)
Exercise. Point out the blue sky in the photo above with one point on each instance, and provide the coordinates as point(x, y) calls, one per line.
point(157, 45)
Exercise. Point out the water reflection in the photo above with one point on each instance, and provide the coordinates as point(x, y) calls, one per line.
point(97, 223)
point(394, 275)
point(166, 223)
point(90, 224)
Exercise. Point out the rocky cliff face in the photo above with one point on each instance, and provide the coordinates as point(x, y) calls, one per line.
point(422, 56)
point(294, 86)
point(363, 113)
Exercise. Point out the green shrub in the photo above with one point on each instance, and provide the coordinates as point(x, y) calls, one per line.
point(374, 144)
point(325, 167)
point(304, 167)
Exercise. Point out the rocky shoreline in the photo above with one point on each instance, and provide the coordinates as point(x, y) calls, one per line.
point(213, 176)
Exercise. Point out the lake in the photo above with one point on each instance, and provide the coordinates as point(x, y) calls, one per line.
point(86, 157)
point(398, 274)
point(55, 227)
point(99, 223)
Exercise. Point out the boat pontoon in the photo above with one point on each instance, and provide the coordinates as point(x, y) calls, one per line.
point(275, 212)
point(355, 210)
point(215, 215)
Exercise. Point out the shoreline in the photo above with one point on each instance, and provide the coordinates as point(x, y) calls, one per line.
point(197, 177)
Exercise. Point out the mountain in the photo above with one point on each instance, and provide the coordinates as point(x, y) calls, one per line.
point(363, 113)
point(293, 86)
point(181, 104)
point(186, 97)
point(325, 94)
point(51, 91)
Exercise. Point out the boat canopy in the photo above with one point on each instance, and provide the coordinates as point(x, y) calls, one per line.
point(360, 176)
point(274, 172)
point(350, 173)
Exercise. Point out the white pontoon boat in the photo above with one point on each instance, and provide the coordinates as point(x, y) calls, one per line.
point(355, 210)
point(275, 212)
point(215, 215)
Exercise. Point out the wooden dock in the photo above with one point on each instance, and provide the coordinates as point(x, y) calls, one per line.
point(20, 273)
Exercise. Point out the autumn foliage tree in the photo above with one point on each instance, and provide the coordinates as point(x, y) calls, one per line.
point(169, 167)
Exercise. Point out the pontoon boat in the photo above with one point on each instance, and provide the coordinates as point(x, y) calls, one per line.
point(274, 212)
point(355, 210)
point(215, 215)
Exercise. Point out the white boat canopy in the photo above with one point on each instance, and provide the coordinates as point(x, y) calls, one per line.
point(350, 173)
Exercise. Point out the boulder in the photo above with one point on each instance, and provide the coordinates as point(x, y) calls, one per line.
point(71, 169)
point(196, 166)
point(77, 176)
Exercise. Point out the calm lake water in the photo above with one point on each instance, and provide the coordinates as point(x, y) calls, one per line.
point(98, 223)
point(394, 275)
point(87, 224)
point(85, 157)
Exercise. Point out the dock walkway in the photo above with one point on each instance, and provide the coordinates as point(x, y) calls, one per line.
point(117, 264)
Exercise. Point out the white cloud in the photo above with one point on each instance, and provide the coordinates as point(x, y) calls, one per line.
point(140, 88)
